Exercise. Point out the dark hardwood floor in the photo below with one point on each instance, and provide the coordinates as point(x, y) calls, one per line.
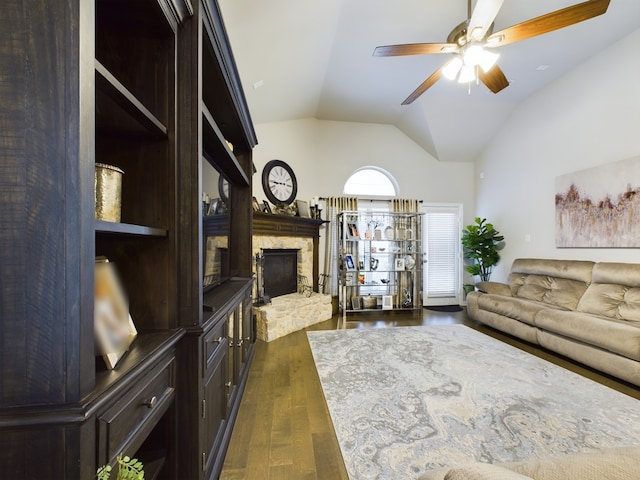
point(283, 430)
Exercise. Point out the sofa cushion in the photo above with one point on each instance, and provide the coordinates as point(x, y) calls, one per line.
point(619, 336)
point(561, 292)
point(483, 471)
point(617, 273)
point(615, 463)
point(621, 463)
point(611, 300)
point(516, 308)
point(579, 270)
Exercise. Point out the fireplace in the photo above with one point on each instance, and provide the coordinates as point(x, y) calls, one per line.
point(279, 271)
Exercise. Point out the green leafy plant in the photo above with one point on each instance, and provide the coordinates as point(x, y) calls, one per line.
point(481, 243)
point(128, 469)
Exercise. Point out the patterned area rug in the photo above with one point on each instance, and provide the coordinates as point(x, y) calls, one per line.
point(406, 400)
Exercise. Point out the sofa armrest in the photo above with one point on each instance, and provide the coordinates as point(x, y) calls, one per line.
point(496, 288)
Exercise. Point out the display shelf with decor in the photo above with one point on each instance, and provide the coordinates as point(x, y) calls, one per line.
point(380, 262)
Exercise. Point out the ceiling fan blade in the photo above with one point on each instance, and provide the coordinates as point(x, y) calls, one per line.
point(494, 79)
point(484, 13)
point(414, 49)
point(435, 76)
point(549, 22)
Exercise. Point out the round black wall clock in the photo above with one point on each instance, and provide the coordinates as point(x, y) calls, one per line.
point(223, 189)
point(279, 182)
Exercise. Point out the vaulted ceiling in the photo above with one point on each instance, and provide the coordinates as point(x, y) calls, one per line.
point(313, 59)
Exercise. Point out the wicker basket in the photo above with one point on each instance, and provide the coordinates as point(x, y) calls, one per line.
point(108, 187)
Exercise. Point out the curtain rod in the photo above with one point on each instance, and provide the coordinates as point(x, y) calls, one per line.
point(373, 199)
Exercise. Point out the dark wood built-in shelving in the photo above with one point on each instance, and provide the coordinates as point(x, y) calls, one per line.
point(150, 87)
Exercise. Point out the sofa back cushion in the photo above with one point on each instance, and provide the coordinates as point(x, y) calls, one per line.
point(614, 292)
point(555, 282)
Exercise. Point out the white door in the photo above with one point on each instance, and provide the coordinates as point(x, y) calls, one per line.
point(442, 254)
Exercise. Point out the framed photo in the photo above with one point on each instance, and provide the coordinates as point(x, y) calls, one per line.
point(353, 230)
point(387, 302)
point(213, 206)
point(399, 264)
point(303, 208)
point(355, 303)
point(349, 263)
point(256, 205)
point(266, 208)
point(113, 326)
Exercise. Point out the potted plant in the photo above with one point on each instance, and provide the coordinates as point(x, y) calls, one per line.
point(481, 243)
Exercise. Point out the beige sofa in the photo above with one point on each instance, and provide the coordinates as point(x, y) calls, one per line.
point(621, 463)
point(587, 311)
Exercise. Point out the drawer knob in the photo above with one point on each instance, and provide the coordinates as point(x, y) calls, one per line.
point(228, 384)
point(151, 402)
point(218, 340)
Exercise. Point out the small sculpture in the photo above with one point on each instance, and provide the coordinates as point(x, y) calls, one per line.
point(407, 303)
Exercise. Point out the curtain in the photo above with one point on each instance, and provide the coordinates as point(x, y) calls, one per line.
point(406, 287)
point(404, 205)
point(334, 206)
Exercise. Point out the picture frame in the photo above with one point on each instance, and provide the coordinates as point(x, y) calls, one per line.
point(353, 230)
point(399, 264)
point(349, 263)
point(213, 206)
point(256, 205)
point(114, 329)
point(303, 208)
point(266, 208)
point(387, 302)
point(355, 303)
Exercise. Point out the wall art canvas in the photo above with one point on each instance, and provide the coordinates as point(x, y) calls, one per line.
point(599, 207)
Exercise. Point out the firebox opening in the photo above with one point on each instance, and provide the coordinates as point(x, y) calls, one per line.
point(280, 271)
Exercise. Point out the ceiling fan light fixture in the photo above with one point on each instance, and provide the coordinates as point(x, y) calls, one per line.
point(451, 69)
point(473, 54)
point(467, 74)
point(487, 60)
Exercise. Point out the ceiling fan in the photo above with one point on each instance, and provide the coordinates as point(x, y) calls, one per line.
point(471, 42)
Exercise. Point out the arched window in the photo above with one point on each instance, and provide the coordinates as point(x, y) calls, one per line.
point(371, 181)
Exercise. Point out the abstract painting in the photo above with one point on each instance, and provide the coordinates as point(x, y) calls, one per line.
point(599, 207)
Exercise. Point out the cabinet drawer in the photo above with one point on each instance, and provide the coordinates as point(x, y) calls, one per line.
point(124, 427)
point(213, 341)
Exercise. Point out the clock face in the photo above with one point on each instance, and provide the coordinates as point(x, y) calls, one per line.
point(279, 182)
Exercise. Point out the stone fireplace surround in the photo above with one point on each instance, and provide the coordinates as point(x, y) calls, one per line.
point(272, 231)
point(288, 313)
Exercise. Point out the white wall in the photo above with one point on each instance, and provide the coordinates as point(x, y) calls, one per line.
point(323, 154)
point(589, 117)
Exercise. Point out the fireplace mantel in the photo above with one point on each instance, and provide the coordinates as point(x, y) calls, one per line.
point(285, 225)
point(274, 225)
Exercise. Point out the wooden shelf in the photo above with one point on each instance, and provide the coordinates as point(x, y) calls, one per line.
point(217, 152)
point(116, 91)
point(129, 229)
